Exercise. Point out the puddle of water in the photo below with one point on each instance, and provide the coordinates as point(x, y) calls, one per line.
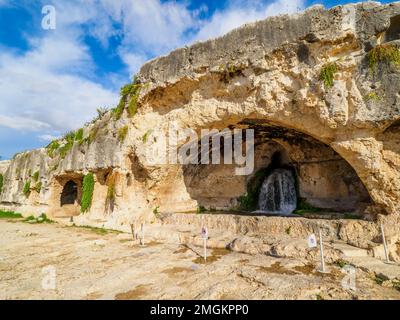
point(215, 255)
point(311, 270)
point(134, 294)
point(276, 268)
point(176, 270)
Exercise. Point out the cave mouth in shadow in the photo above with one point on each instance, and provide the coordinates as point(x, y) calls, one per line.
point(292, 172)
point(69, 194)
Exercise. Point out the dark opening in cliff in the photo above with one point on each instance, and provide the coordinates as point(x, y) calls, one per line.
point(69, 193)
point(292, 171)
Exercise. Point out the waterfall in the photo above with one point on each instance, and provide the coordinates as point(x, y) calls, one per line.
point(278, 193)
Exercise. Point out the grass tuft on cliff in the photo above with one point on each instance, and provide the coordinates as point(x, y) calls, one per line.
point(122, 133)
point(327, 74)
point(27, 188)
point(1, 182)
point(38, 187)
point(87, 192)
point(79, 136)
point(52, 148)
point(129, 97)
point(386, 54)
point(69, 139)
point(35, 176)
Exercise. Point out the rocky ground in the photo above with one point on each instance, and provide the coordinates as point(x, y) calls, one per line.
point(92, 265)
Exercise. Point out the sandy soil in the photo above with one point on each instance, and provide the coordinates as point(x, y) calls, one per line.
point(92, 266)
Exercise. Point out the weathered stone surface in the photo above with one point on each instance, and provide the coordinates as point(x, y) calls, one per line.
point(342, 145)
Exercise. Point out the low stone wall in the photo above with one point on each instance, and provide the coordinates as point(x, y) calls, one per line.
point(359, 233)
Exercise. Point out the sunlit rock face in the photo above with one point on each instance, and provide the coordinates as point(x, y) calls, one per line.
point(336, 132)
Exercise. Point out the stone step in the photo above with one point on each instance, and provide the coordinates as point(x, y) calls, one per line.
point(349, 251)
point(389, 271)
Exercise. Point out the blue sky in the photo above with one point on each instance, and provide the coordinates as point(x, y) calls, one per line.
point(52, 81)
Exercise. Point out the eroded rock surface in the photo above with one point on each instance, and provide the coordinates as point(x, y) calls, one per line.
point(339, 135)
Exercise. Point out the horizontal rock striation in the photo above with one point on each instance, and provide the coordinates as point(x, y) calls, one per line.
point(321, 88)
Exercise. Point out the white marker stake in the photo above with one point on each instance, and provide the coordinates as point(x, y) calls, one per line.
point(384, 243)
point(321, 246)
point(142, 239)
point(205, 250)
point(204, 235)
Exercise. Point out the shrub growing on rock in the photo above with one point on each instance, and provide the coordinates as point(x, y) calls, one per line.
point(27, 188)
point(87, 192)
point(35, 176)
point(122, 133)
point(386, 54)
point(327, 74)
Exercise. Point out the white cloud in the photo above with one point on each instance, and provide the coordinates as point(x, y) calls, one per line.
point(48, 137)
point(20, 123)
point(42, 90)
point(47, 89)
point(241, 12)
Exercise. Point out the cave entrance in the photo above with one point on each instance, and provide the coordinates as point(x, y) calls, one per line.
point(69, 194)
point(393, 32)
point(292, 172)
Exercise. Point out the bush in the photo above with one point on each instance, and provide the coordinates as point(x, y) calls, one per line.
point(122, 133)
point(327, 74)
point(1, 182)
point(87, 192)
point(36, 176)
point(304, 207)
point(372, 96)
point(145, 137)
point(52, 147)
point(69, 139)
point(41, 219)
point(93, 134)
point(386, 54)
point(27, 188)
point(129, 91)
point(9, 214)
point(79, 136)
point(38, 187)
point(201, 209)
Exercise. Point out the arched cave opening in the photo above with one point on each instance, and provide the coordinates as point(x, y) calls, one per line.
point(292, 172)
point(69, 194)
point(393, 32)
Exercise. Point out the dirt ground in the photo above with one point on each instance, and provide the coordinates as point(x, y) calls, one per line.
point(88, 265)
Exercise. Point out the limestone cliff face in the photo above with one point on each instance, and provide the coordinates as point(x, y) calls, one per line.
point(340, 135)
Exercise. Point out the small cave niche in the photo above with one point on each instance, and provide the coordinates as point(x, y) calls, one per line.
point(393, 33)
point(69, 194)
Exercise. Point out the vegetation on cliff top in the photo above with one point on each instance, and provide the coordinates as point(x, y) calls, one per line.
point(129, 97)
point(87, 192)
